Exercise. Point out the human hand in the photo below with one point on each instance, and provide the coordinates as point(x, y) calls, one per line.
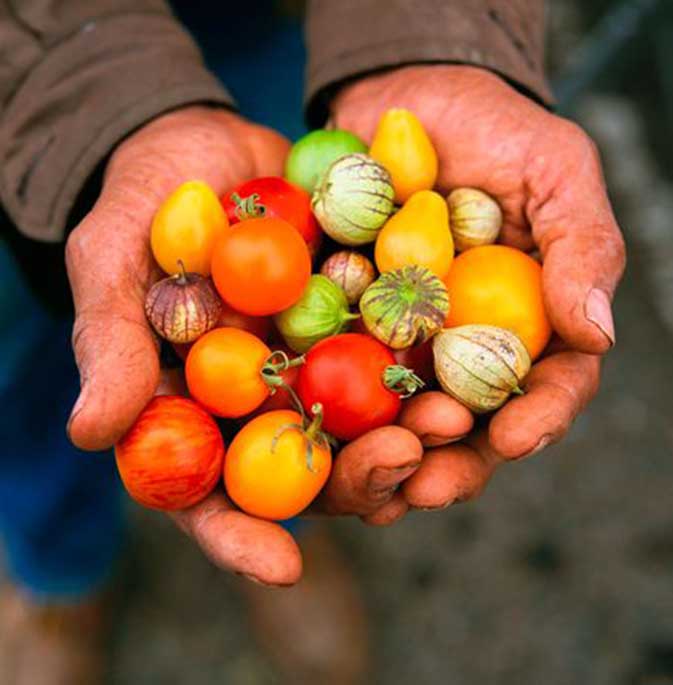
point(545, 173)
point(111, 268)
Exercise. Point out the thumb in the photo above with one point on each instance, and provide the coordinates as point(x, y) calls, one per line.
point(582, 249)
point(110, 269)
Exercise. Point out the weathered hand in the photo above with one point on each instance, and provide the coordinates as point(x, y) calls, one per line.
point(110, 264)
point(111, 267)
point(545, 172)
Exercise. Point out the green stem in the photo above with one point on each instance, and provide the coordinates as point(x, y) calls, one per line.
point(248, 207)
point(401, 380)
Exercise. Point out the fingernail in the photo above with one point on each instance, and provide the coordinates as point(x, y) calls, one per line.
point(544, 442)
point(382, 479)
point(598, 310)
point(430, 440)
point(438, 508)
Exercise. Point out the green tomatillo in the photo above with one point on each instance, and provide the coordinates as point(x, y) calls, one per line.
point(321, 311)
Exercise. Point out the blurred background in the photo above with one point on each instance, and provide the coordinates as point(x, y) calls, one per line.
point(563, 571)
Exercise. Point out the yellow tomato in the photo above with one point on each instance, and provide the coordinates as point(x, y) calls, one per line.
point(500, 286)
point(404, 148)
point(186, 227)
point(417, 235)
point(266, 472)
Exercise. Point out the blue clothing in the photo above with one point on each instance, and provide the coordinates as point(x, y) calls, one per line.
point(61, 510)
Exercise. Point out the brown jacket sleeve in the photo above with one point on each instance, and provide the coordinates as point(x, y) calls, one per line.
point(348, 38)
point(76, 77)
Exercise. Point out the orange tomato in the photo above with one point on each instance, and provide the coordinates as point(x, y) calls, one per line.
point(186, 227)
point(500, 286)
point(261, 266)
point(223, 372)
point(275, 481)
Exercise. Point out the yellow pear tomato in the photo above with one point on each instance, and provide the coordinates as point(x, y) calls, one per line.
point(186, 227)
point(418, 235)
point(405, 150)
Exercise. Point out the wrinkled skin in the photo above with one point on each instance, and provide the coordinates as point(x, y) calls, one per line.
point(545, 172)
point(111, 268)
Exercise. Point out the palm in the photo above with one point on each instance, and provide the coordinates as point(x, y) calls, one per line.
point(545, 173)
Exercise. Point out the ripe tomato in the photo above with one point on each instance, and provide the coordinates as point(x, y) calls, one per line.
point(224, 372)
point(273, 196)
point(172, 456)
point(261, 266)
point(186, 227)
point(345, 374)
point(500, 286)
point(266, 472)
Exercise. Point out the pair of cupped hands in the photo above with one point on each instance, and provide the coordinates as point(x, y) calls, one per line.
point(546, 175)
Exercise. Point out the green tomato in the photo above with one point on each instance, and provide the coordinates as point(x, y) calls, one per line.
point(314, 152)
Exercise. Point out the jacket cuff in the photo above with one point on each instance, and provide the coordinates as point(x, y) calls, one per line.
point(87, 94)
point(503, 36)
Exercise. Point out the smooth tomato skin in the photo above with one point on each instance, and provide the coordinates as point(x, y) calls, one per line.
point(500, 286)
point(223, 372)
point(344, 373)
point(261, 266)
point(186, 228)
point(281, 199)
point(172, 456)
point(276, 484)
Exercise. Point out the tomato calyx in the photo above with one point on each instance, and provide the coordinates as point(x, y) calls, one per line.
point(248, 207)
point(276, 363)
point(310, 430)
point(401, 380)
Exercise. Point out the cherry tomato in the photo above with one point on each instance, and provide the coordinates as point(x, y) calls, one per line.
point(186, 227)
point(261, 266)
point(273, 196)
point(172, 456)
point(345, 374)
point(267, 472)
point(224, 372)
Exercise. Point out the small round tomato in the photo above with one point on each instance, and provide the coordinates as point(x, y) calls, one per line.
point(172, 456)
point(274, 468)
point(273, 196)
point(261, 266)
point(185, 228)
point(352, 376)
point(224, 372)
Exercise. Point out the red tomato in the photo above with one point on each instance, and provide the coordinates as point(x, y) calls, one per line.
point(261, 266)
point(274, 196)
point(345, 373)
point(172, 456)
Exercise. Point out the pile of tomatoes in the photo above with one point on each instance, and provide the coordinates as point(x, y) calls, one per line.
point(259, 245)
